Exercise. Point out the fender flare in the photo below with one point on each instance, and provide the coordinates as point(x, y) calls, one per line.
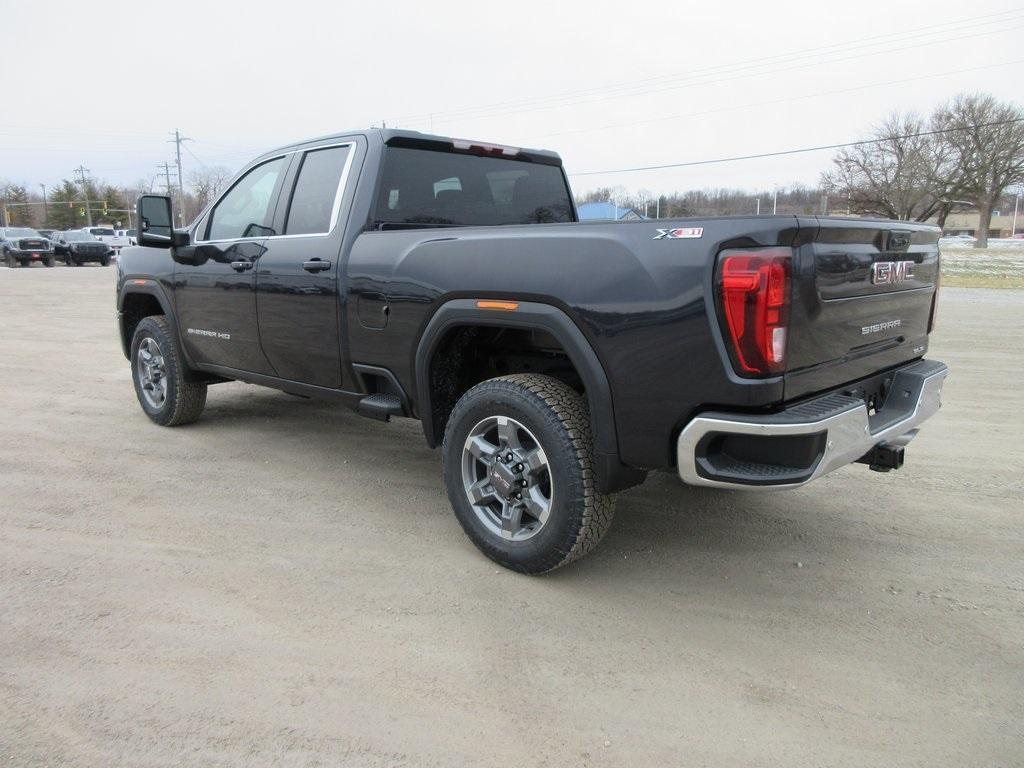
point(152, 288)
point(612, 475)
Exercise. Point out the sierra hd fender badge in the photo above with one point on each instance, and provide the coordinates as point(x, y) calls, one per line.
point(679, 233)
point(211, 334)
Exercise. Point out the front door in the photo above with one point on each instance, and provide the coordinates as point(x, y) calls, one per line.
point(297, 275)
point(215, 277)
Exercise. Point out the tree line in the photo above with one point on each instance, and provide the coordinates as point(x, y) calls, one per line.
point(969, 151)
point(71, 204)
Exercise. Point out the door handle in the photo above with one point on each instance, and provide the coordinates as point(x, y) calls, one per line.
point(241, 266)
point(316, 265)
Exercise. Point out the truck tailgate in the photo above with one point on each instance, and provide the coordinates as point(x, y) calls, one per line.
point(862, 300)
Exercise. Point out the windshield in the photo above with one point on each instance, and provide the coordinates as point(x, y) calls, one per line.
point(77, 237)
point(21, 232)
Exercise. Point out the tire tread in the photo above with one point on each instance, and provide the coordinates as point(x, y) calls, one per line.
point(569, 409)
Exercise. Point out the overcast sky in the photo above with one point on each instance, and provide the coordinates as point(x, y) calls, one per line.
point(607, 85)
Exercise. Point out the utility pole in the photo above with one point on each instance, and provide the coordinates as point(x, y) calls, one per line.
point(167, 176)
point(775, 201)
point(178, 138)
point(80, 174)
point(758, 212)
point(46, 208)
point(1016, 205)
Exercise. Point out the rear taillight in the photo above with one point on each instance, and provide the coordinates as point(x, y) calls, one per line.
point(754, 294)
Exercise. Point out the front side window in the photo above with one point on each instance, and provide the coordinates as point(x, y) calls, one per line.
point(316, 188)
point(422, 187)
point(245, 210)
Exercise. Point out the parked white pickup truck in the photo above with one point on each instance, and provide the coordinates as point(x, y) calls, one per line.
point(115, 239)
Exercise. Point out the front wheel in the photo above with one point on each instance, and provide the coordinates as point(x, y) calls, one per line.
point(518, 468)
point(10, 261)
point(157, 370)
point(50, 261)
point(105, 260)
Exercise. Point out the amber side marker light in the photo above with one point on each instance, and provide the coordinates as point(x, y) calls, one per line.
point(501, 306)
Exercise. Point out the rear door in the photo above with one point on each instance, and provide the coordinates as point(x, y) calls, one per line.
point(297, 274)
point(862, 300)
point(215, 277)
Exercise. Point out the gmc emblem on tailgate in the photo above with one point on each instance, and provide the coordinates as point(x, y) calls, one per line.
point(891, 272)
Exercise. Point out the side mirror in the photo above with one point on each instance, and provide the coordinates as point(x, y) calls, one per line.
point(156, 222)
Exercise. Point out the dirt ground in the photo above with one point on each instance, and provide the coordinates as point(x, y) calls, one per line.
point(283, 584)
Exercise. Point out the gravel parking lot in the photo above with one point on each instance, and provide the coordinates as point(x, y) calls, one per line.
point(283, 583)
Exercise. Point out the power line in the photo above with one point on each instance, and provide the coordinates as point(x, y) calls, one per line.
point(793, 151)
point(774, 60)
point(783, 100)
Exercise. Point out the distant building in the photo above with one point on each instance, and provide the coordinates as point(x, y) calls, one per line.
point(966, 223)
point(607, 212)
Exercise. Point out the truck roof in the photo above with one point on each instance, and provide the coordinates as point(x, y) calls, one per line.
point(403, 137)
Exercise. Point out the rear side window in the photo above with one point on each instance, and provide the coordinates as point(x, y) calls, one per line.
point(316, 189)
point(427, 188)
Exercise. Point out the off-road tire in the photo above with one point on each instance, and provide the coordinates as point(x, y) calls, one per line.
point(185, 400)
point(558, 417)
point(50, 261)
point(10, 261)
point(105, 260)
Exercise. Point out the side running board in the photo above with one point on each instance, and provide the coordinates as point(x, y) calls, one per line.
point(380, 406)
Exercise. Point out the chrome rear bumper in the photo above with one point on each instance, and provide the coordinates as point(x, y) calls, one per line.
point(790, 448)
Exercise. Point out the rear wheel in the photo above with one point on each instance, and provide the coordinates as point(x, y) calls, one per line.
point(159, 376)
point(518, 469)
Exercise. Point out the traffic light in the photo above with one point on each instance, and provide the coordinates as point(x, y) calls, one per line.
point(81, 211)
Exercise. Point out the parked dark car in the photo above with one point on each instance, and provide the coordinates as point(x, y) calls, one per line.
point(21, 245)
point(77, 248)
point(555, 362)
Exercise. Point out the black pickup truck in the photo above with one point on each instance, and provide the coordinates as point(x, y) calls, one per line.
point(554, 361)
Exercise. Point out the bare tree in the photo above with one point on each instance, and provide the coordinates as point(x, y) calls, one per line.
point(985, 142)
point(903, 175)
point(206, 183)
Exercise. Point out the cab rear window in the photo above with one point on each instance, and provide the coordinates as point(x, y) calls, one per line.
point(424, 188)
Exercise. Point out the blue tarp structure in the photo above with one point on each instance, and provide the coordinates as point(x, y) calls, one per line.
point(607, 212)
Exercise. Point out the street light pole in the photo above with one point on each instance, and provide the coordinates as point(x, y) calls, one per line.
point(775, 201)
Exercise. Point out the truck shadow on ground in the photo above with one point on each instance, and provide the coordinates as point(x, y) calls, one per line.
point(662, 524)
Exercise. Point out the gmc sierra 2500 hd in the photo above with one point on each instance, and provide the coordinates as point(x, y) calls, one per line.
point(555, 362)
